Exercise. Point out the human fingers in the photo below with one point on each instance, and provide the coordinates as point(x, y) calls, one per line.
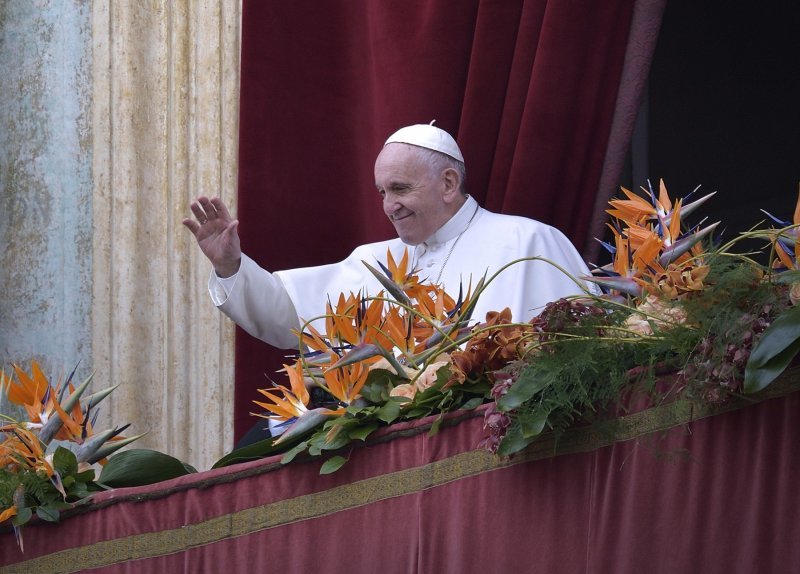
point(221, 208)
point(192, 225)
point(198, 211)
point(208, 208)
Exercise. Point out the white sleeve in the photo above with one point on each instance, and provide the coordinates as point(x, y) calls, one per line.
point(258, 302)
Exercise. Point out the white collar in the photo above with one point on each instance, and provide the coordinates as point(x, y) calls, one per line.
point(455, 225)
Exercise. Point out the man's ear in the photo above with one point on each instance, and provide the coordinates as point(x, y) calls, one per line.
point(452, 185)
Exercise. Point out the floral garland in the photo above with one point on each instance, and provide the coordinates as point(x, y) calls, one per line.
point(723, 322)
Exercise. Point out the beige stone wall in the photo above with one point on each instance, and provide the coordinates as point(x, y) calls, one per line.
point(164, 122)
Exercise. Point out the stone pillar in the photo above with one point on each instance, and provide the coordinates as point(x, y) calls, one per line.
point(165, 118)
point(113, 115)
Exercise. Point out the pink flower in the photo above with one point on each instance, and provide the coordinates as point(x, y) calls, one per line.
point(428, 376)
point(404, 390)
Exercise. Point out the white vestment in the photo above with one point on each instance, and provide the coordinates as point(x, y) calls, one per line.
point(473, 243)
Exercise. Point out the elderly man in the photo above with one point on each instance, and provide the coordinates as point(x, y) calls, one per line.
point(451, 240)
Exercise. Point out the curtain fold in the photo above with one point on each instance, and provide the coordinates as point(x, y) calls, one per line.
point(527, 87)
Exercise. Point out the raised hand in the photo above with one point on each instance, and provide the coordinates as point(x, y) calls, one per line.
point(216, 234)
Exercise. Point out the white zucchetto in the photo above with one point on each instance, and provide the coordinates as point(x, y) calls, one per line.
point(429, 137)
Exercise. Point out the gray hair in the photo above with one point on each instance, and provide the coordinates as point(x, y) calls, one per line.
point(438, 161)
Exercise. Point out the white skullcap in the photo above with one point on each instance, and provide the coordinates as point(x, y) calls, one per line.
point(427, 136)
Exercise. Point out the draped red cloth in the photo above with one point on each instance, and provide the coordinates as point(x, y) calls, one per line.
point(713, 495)
point(527, 87)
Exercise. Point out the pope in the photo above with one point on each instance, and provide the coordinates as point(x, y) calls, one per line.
point(452, 241)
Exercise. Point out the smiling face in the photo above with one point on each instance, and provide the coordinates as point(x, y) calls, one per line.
point(418, 197)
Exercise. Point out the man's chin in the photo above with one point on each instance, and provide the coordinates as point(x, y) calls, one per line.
point(408, 239)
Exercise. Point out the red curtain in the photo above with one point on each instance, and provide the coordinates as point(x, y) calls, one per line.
point(527, 87)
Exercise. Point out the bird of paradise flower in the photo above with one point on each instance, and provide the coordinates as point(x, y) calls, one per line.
point(403, 325)
point(653, 249)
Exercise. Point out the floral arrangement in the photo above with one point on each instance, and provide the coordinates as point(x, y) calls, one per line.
point(56, 459)
point(721, 323)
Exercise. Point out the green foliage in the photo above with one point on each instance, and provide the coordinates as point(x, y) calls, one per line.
point(774, 351)
point(137, 467)
point(33, 492)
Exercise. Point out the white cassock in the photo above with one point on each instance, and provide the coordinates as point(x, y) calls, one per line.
point(475, 242)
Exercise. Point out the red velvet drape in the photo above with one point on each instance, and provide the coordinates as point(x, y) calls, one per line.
point(527, 87)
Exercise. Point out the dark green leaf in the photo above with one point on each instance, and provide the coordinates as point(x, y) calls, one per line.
point(333, 464)
point(290, 454)
point(362, 432)
point(758, 378)
point(64, 462)
point(390, 411)
point(530, 382)
point(774, 351)
point(787, 277)
point(379, 383)
point(435, 426)
point(85, 476)
point(80, 490)
point(473, 403)
point(341, 439)
point(138, 467)
point(255, 451)
point(417, 412)
point(532, 424)
point(48, 513)
point(23, 516)
point(512, 442)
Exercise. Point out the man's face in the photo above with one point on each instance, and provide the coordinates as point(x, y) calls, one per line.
point(417, 200)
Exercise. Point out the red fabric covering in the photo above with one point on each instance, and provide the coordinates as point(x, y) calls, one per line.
point(716, 495)
point(527, 87)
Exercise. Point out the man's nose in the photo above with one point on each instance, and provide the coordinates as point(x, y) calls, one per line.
point(390, 205)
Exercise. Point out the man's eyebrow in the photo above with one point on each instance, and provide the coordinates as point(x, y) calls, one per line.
point(395, 185)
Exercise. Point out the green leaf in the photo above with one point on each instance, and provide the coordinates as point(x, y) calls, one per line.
point(333, 464)
point(362, 432)
point(472, 403)
point(379, 383)
point(23, 516)
point(531, 425)
point(304, 425)
point(418, 412)
point(512, 442)
point(530, 382)
point(774, 351)
point(85, 476)
point(293, 452)
point(435, 426)
point(48, 513)
point(253, 451)
point(138, 467)
point(389, 412)
point(787, 277)
point(64, 462)
point(341, 439)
